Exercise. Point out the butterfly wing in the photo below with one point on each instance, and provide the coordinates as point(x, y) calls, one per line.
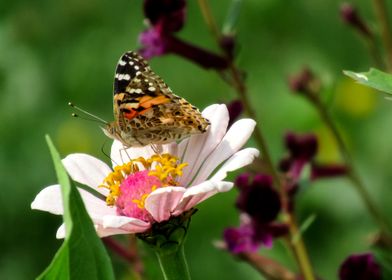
point(145, 108)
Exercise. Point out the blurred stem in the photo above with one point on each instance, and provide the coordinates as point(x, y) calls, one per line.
point(238, 83)
point(352, 174)
point(382, 17)
point(130, 255)
point(209, 19)
point(371, 44)
point(270, 269)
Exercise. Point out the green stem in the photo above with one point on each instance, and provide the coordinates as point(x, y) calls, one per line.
point(352, 174)
point(382, 15)
point(173, 264)
point(239, 85)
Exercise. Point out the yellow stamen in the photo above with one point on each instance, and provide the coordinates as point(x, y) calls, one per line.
point(165, 167)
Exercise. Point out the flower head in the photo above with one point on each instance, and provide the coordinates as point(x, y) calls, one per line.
point(302, 151)
point(351, 17)
point(164, 17)
point(167, 15)
point(260, 205)
point(360, 267)
point(145, 188)
point(258, 198)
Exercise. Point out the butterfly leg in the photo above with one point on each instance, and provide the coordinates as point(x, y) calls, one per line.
point(157, 148)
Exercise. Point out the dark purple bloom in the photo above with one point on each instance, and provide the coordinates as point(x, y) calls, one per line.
point(242, 180)
point(241, 239)
point(251, 235)
point(167, 16)
point(302, 149)
point(235, 109)
point(352, 18)
point(259, 200)
point(152, 42)
point(360, 267)
point(301, 82)
point(301, 146)
point(266, 233)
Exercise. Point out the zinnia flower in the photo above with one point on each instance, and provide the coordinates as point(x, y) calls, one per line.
point(144, 187)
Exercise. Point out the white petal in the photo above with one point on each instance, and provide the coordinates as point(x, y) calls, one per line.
point(132, 225)
point(238, 160)
point(60, 232)
point(199, 147)
point(49, 199)
point(196, 194)
point(87, 170)
point(161, 202)
point(120, 155)
point(234, 139)
point(101, 231)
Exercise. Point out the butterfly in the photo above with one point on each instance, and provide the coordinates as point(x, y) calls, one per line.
point(146, 111)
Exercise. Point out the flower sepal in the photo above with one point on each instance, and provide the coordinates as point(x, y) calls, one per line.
point(168, 236)
point(167, 239)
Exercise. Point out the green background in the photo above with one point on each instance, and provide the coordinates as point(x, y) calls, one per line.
point(52, 52)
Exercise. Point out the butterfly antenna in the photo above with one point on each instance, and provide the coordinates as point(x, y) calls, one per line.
point(92, 117)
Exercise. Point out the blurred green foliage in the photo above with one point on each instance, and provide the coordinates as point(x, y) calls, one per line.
point(52, 52)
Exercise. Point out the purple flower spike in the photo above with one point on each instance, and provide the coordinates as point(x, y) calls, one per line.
point(327, 171)
point(235, 109)
point(169, 15)
point(302, 147)
point(242, 180)
point(360, 267)
point(301, 82)
point(259, 200)
point(351, 17)
point(241, 240)
point(153, 43)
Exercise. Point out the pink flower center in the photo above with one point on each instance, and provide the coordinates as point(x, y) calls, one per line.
point(129, 187)
point(133, 192)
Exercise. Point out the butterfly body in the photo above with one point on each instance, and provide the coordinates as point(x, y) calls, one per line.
point(146, 110)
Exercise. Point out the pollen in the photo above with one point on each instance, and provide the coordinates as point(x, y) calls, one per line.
point(130, 184)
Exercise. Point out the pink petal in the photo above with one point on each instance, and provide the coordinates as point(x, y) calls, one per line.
point(161, 202)
point(131, 225)
point(236, 161)
point(199, 147)
point(196, 194)
point(234, 139)
point(87, 170)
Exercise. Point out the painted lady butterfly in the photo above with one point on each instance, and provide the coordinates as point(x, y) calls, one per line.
point(145, 109)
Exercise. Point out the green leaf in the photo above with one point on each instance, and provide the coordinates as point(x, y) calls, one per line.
point(82, 255)
point(232, 17)
point(373, 78)
point(304, 226)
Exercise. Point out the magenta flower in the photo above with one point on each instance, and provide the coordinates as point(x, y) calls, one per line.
point(144, 188)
